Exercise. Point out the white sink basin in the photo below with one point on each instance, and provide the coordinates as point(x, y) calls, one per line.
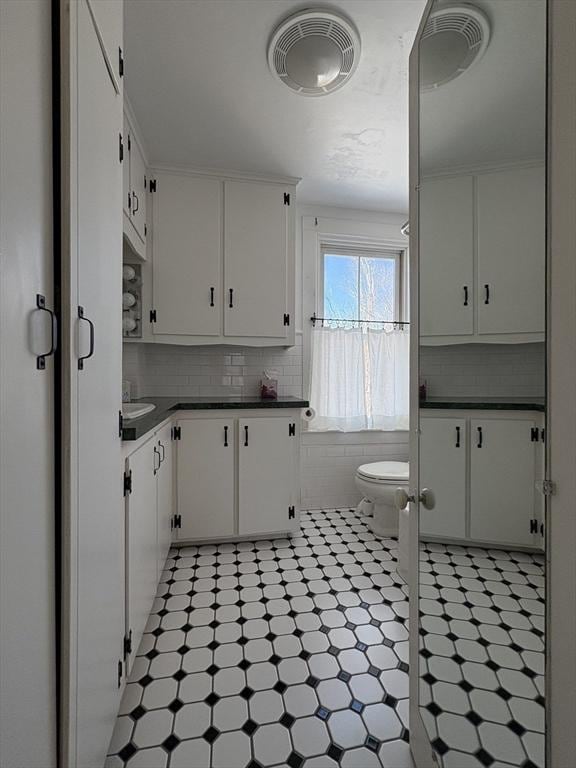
point(135, 410)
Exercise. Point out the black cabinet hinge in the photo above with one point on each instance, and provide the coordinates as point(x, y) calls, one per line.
point(176, 433)
point(292, 430)
point(129, 201)
point(120, 424)
point(127, 645)
point(286, 198)
point(120, 62)
point(152, 315)
point(128, 482)
point(152, 185)
point(120, 670)
point(145, 230)
point(534, 525)
point(534, 434)
point(129, 143)
point(291, 513)
point(543, 435)
point(120, 147)
point(286, 319)
point(176, 522)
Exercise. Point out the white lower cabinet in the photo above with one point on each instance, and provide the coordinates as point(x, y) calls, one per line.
point(237, 476)
point(149, 478)
point(483, 468)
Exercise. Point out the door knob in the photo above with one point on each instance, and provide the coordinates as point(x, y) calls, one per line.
point(402, 499)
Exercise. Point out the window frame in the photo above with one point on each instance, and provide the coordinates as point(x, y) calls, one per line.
point(341, 248)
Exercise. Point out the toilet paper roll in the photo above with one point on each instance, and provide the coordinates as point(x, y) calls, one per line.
point(308, 414)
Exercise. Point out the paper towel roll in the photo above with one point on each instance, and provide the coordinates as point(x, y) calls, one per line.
point(308, 414)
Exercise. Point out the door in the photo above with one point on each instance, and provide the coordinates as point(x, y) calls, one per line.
point(187, 255)
point(28, 705)
point(138, 188)
point(255, 259)
point(165, 483)
point(447, 257)
point(443, 444)
point(100, 534)
point(502, 481)
point(267, 492)
point(141, 540)
point(511, 246)
point(205, 478)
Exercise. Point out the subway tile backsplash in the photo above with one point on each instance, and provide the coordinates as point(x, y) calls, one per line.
point(157, 370)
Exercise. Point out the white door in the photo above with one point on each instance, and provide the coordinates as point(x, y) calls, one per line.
point(165, 484)
point(138, 190)
point(267, 475)
point(100, 535)
point(205, 478)
point(255, 260)
point(511, 246)
point(187, 255)
point(447, 257)
point(502, 481)
point(28, 707)
point(141, 541)
point(443, 444)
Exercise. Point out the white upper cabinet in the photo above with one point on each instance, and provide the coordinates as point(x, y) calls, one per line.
point(187, 255)
point(223, 261)
point(482, 257)
point(447, 257)
point(108, 20)
point(135, 191)
point(256, 260)
point(511, 251)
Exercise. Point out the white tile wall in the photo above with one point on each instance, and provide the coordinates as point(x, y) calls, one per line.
point(484, 370)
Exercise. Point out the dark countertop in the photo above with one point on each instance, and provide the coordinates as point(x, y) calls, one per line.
point(485, 404)
point(134, 429)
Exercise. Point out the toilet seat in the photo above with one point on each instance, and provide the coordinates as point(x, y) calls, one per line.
point(385, 472)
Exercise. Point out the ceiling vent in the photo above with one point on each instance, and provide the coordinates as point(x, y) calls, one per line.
point(454, 39)
point(314, 52)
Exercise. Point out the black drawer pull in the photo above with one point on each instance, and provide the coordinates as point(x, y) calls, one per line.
point(245, 436)
point(457, 437)
point(465, 295)
point(41, 305)
point(486, 294)
point(211, 297)
point(480, 437)
point(137, 206)
point(231, 294)
point(160, 445)
point(81, 316)
point(226, 437)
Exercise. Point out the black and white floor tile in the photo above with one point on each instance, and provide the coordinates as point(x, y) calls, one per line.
point(482, 657)
point(292, 652)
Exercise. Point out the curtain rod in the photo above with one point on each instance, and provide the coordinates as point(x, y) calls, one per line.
point(314, 319)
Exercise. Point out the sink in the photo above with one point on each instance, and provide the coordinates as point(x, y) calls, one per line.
point(135, 410)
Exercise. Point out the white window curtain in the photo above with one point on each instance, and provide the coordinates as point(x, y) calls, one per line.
point(359, 379)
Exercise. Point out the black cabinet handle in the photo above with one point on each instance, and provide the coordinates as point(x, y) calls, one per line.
point(137, 207)
point(81, 316)
point(245, 436)
point(465, 295)
point(41, 305)
point(163, 452)
point(486, 294)
point(480, 437)
point(211, 297)
point(457, 437)
point(226, 437)
point(231, 294)
point(156, 453)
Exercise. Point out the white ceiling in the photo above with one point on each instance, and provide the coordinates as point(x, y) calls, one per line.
point(198, 80)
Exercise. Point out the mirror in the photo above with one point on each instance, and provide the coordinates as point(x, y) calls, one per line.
point(482, 274)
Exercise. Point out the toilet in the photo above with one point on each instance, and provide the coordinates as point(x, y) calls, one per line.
point(378, 483)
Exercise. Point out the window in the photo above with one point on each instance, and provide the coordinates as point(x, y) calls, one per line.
point(360, 285)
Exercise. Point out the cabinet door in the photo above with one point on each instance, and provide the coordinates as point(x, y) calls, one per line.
point(511, 251)
point(447, 257)
point(165, 483)
point(205, 478)
point(141, 540)
point(187, 257)
point(443, 470)
point(138, 189)
point(503, 475)
point(255, 260)
point(267, 475)
point(108, 17)
point(126, 188)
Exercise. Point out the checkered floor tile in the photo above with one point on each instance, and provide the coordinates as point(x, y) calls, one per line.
point(292, 652)
point(482, 657)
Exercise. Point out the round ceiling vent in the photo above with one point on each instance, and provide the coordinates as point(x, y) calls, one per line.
point(454, 38)
point(314, 52)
